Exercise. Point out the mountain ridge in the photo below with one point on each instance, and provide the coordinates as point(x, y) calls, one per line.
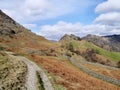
point(109, 42)
point(15, 37)
point(54, 58)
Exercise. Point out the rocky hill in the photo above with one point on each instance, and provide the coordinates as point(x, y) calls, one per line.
point(90, 51)
point(28, 60)
point(8, 26)
point(15, 37)
point(67, 37)
point(111, 43)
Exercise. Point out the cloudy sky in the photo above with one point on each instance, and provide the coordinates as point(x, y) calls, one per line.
point(54, 18)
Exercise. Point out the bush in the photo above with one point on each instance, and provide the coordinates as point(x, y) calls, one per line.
point(2, 48)
point(118, 64)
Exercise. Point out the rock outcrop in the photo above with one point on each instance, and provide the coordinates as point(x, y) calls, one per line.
point(111, 43)
point(67, 37)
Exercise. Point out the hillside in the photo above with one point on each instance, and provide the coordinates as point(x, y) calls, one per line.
point(111, 42)
point(29, 61)
point(67, 37)
point(91, 52)
point(12, 74)
point(15, 37)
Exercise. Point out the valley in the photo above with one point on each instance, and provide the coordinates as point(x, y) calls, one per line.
point(31, 62)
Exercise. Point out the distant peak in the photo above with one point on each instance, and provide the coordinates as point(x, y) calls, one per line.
point(91, 35)
point(67, 37)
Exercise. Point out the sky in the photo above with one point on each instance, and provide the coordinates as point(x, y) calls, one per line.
point(54, 18)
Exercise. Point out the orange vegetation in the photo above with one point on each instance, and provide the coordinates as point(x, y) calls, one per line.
point(105, 71)
point(71, 77)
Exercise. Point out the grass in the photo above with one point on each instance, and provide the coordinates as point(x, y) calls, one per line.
point(53, 79)
point(2, 62)
point(12, 74)
point(40, 85)
point(111, 55)
point(115, 56)
point(84, 45)
point(69, 76)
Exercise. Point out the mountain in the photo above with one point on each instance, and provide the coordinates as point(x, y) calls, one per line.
point(31, 62)
point(90, 51)
point(115, 38)
point(15, 37)
point(67, 37)
point(6, 23)
point(111, 42)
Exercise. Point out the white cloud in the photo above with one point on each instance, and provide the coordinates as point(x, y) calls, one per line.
point(59, 29)
point(54, 32)
point(29, 11)
point(108, 22)
point(30, 25)
point(34, 10)
point(109, 13)
point(108, 6)
point(111, 18)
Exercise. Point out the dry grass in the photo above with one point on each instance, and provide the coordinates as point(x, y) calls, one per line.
point(71, 77)
point(105, 71)
point(12, 73)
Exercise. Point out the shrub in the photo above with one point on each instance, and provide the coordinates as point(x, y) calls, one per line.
point(2, 47)
point(118, 64)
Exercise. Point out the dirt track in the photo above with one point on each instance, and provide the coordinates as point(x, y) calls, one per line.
point(31, 82)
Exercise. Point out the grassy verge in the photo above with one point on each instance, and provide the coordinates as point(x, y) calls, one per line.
point(40, 83)
point(53, 79)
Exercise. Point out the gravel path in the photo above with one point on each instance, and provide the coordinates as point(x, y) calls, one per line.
point(32, 79)
point(94, 74)
point(97, 64)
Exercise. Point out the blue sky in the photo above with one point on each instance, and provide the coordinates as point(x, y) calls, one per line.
point(85, 16)
point(54, 18)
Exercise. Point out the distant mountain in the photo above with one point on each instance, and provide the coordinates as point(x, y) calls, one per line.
point(67, 37)
point(92, 48)
point(111, 42)
point(55, 59)
point(114, 37)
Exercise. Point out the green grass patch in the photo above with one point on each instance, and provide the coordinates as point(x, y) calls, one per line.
point(40, 83)
point(115, 56)
point(84, 45)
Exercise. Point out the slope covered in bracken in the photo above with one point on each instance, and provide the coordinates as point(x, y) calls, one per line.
point(90, 51)
point(53, 57)
point(71, 77)
point(14, 37)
